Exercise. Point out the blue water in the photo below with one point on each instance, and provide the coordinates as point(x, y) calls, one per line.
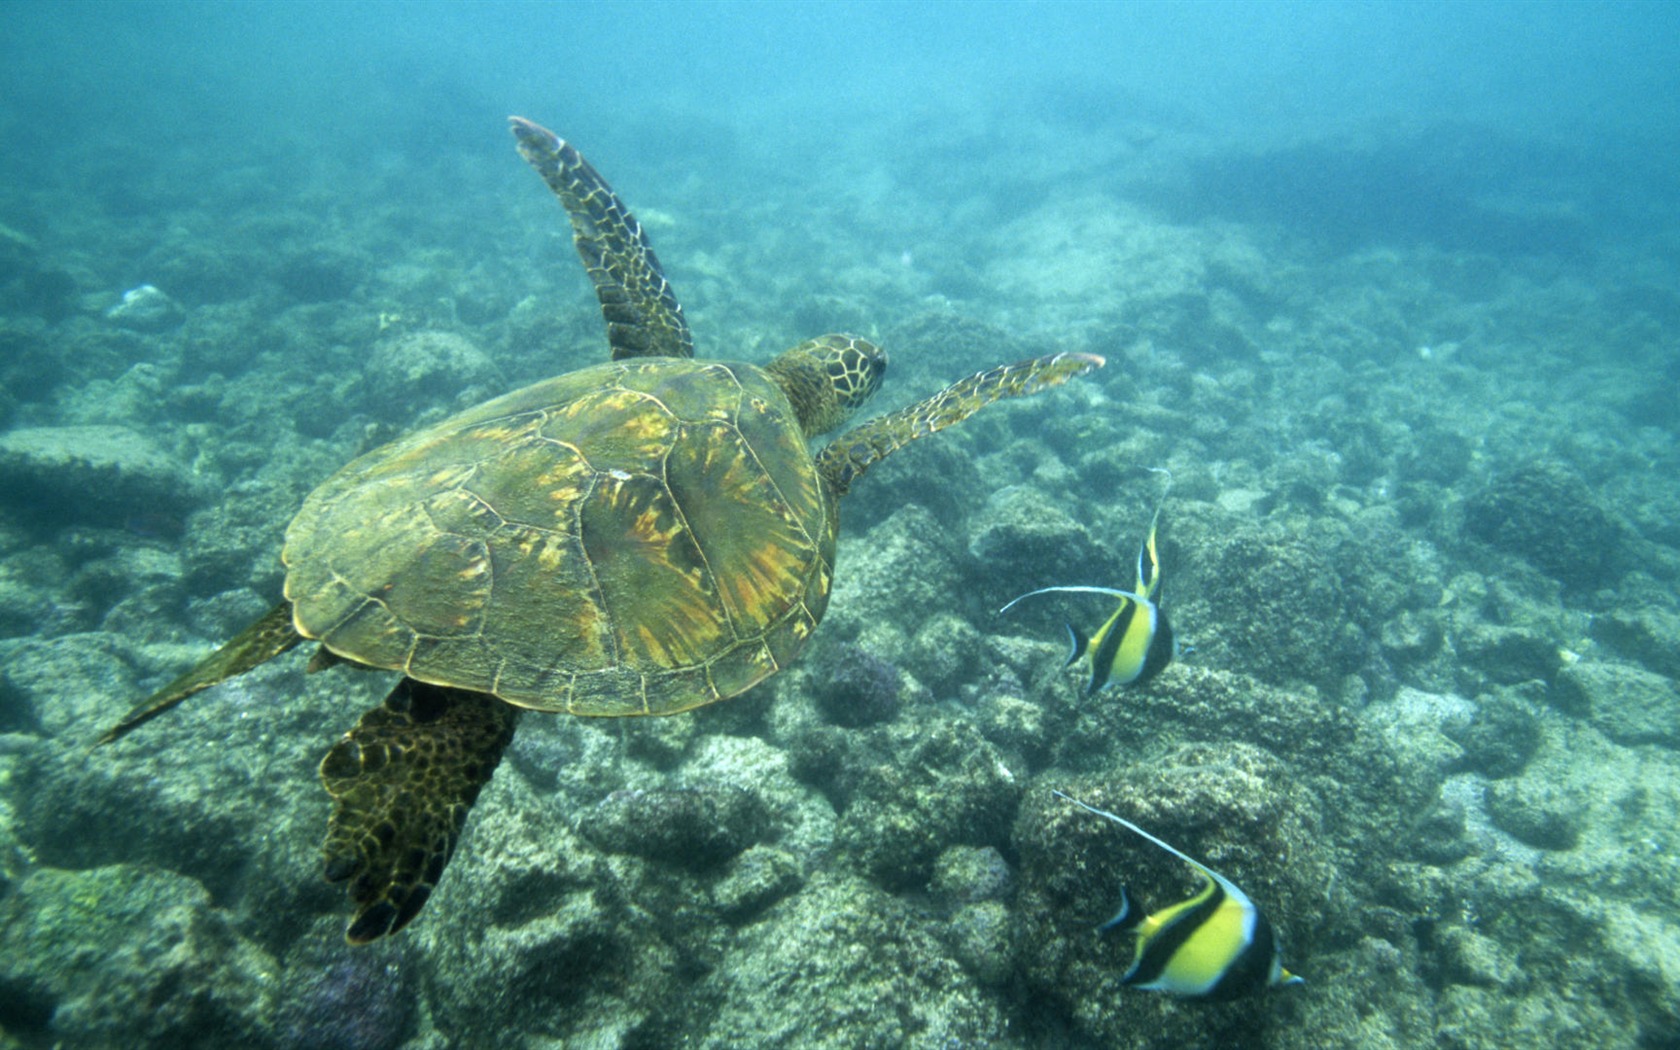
point(1391, 289)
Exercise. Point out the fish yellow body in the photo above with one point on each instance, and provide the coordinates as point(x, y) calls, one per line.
point(1216, 945)
point(1136, 642)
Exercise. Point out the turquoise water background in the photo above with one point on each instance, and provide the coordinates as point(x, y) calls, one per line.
point(1391, 289)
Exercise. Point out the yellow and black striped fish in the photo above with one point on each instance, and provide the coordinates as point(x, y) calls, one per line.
point(1216, 945)
point(1135, 643)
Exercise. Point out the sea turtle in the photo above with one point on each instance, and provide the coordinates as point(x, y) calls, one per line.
point(637, 537)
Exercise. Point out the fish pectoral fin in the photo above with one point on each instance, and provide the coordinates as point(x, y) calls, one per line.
point(1078, 643)
point(1127, 918)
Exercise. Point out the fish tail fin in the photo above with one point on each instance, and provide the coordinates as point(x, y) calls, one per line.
point(1078, 643)
point(1127, 918)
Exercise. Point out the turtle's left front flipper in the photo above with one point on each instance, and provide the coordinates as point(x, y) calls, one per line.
point(860, 448)
point(402, 782)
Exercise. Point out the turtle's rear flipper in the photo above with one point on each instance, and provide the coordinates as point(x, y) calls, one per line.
point(402, 782)
point(256, 644)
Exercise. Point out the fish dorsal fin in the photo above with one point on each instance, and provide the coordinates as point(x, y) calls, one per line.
point(1225, 884)
point(1075, 589)
point(1149, 558)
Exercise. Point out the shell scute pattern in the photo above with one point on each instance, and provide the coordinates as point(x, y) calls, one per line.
point(636, 537)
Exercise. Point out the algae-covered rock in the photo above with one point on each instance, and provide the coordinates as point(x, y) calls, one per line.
point(60, 684)
point(347, 997)
point(1283, 617)
point(1646, 634)
point(146, 308)
point(129, 956)
point(1535, 812)
point(411, 371)
point(1500, 737)
point(945, 653)
point(101, 475)
point(28, 368)
point(1232, 806)
point(854, 687)
point(1025, 540)
point(968, 874)
point(1470, 957)
point(1412, 636)
point(698, 825)
point(1203, 703)
point(844, 965)
point(223, 791)
point(755, 880)
point(531, 932)
point(902, 571)
point(1507, 655)
point(982, 939)
point(913, 791)
point(1546, 515)
point(1628, 704)
point(320, 272)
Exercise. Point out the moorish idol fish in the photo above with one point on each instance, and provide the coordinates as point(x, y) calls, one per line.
point(1216, 945)
point(1136, 642)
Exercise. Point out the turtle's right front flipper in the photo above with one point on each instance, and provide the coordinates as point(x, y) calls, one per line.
point(256, 644)
point(643, 316)
point(402, 783)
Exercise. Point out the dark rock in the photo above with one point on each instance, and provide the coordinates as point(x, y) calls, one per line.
point(967, 874)
point(856, 688)
point(410, 372)
point(1649, 635)
point(1507, 655)
point(129, 956)
point(1534, 812)
point(754, 881)
point(1500, 738)
point(696, 827)
point(867, 973)
point(100, 475)
point(345, 997)
point(1546, 515)
point(1628, 704)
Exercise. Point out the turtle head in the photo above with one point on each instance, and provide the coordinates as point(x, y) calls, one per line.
point(828, 378)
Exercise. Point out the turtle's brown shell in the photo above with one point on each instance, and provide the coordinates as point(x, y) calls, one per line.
point(634, 538)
